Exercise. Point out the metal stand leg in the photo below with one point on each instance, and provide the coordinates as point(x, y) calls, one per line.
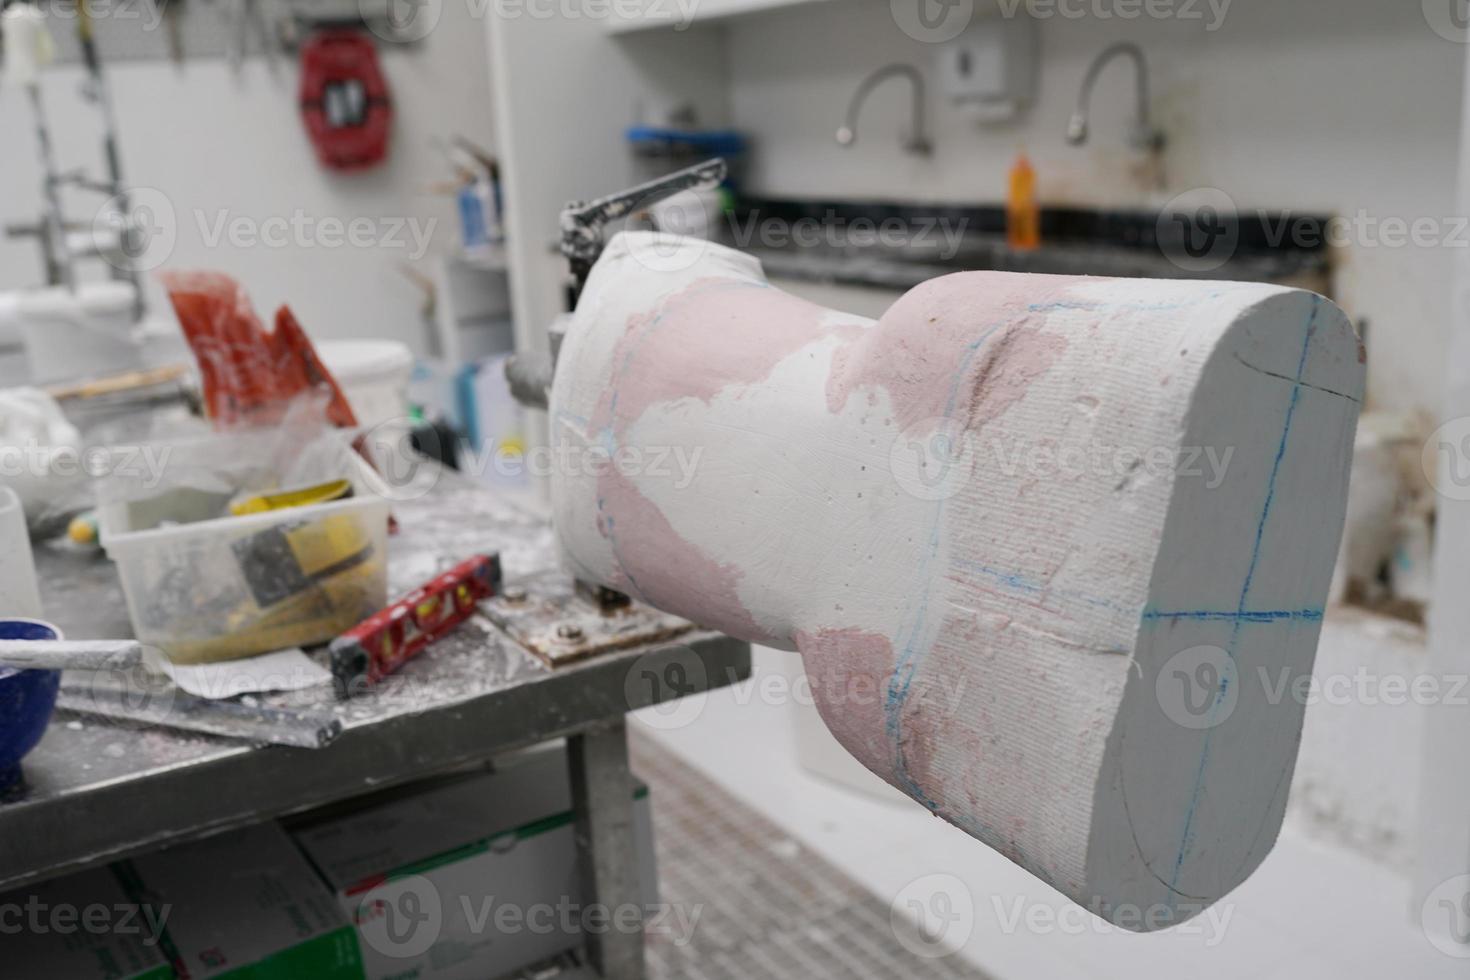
point(602, 795)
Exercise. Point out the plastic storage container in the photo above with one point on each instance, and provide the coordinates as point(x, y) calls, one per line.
point(232, 587)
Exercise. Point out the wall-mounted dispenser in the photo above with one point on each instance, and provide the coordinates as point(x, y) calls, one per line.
point(990, 69)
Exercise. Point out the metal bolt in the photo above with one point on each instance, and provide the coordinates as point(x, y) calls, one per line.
point(569, 631)
point(515, 593)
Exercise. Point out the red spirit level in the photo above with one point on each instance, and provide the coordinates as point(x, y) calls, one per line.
point(381, 644)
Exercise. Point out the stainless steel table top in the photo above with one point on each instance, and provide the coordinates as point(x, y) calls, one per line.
point(95, 791)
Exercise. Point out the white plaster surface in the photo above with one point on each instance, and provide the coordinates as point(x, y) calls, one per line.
point(1034, 536)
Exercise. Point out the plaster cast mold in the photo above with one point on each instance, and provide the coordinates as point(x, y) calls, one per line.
point(1047, 545)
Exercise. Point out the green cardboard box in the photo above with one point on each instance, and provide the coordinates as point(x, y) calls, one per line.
point(246, 905)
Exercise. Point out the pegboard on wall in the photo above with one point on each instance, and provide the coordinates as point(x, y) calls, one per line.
point(143, 30)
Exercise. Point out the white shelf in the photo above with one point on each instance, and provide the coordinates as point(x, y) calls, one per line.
point(671, 14)
point(472, 311)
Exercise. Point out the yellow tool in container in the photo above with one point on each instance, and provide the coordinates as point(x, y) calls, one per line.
point(303, 581)
point(320, 493)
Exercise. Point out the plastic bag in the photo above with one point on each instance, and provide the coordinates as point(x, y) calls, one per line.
point(250, 376)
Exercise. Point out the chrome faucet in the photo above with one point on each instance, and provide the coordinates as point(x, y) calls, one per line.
point(1143, 135)
point(916, 142)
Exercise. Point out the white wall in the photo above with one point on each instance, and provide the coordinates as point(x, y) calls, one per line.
point(210, 141)
point(1443, 871)
point(565, 93)
point(1290, 104)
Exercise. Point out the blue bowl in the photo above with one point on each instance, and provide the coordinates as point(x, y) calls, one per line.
point(27, 698)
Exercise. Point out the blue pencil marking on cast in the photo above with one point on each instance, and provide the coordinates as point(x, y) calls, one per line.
point(1108, 306)
point(1244, 616)
point(1296, 388)
point(1017, 583)
point(907, 665)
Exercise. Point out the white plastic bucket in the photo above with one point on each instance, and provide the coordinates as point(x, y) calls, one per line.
point(374, 375)
point(85, 334)
point(20, 597)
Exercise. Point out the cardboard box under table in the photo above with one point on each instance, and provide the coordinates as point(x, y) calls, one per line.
point(248, 906)
point(471, 879)
point(80, 927)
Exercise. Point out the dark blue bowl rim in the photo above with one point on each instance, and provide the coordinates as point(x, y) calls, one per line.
point(39, 630)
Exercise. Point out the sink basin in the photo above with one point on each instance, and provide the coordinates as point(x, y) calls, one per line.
point(898, 246)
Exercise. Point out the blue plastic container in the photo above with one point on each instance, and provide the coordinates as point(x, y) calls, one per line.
point(27, 698)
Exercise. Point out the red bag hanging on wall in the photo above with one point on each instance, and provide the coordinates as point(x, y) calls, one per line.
point(344, 99)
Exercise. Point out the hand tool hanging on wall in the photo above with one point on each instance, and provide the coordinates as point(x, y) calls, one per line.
point(344, 99)
point(171, 12)
point(246, 16)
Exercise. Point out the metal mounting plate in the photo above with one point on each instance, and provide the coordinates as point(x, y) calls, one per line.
point(563, 624)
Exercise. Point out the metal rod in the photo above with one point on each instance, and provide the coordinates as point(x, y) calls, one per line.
point(127, 233)
point(69, 654)
point(58, 254)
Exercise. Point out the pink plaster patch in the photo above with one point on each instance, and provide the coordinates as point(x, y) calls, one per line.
point(951, 758)
point(714, 334)
point(849, 671)
point(929, 334)
point(663, 569)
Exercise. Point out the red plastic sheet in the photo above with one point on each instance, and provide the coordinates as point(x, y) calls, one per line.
point(250, 375)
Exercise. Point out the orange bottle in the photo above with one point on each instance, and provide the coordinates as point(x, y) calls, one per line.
point(1023, 217)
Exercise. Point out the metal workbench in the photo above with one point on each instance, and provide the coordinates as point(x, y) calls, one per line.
point(96, 791)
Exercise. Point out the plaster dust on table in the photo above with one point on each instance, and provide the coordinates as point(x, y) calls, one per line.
point(1005, 525)
point(439, 528)
point(437, 532)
